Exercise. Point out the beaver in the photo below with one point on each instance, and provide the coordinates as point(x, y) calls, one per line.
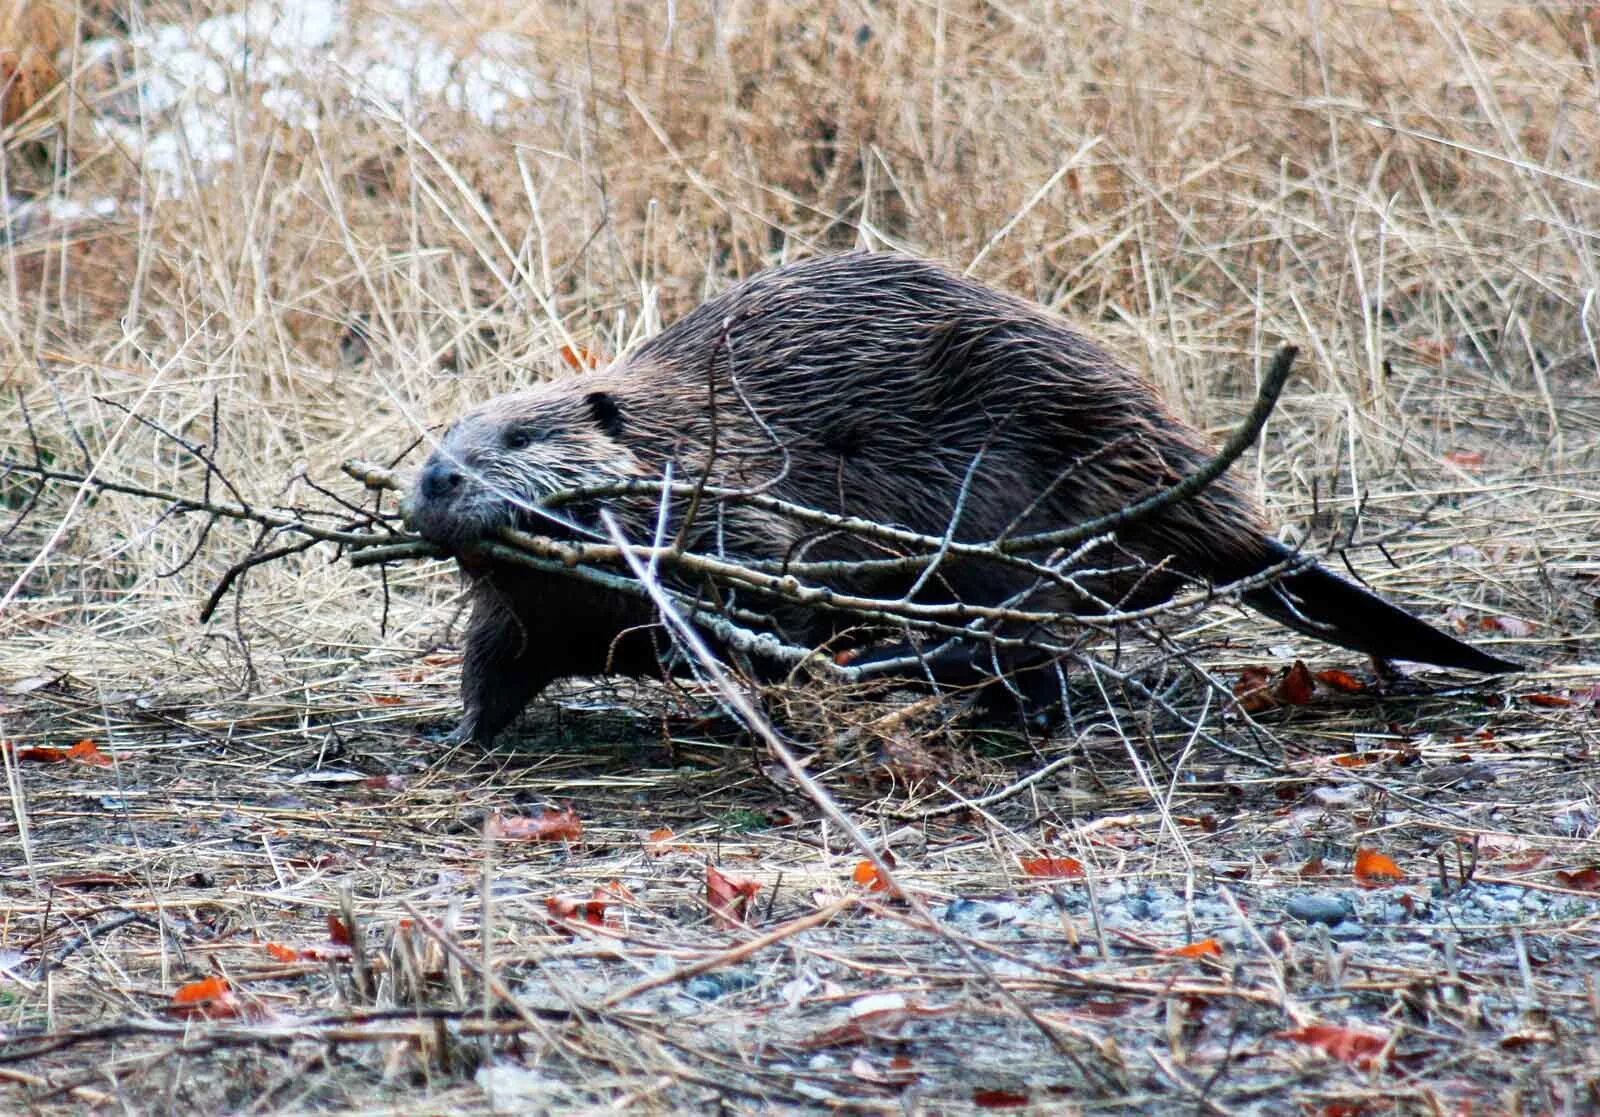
point(873, 385)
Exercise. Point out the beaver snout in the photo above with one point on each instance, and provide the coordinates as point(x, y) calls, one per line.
point(439, 480)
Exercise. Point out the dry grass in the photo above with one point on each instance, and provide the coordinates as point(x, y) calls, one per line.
point(1407, 191)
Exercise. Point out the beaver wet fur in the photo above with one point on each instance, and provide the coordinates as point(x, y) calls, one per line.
point(872, 385)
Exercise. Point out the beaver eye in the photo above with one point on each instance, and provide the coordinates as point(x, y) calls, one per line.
point(518, 438)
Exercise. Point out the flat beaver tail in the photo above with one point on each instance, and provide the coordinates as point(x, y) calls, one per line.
point(1320, 603)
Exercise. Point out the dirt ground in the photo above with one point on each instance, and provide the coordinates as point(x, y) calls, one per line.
point(244, 870)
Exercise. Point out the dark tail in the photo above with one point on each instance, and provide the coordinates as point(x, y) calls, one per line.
point(1319, 603)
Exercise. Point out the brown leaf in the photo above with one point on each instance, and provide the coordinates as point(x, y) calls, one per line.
point(729, 896)
point(1254, 690)
point(338, 933)
point(1376, 870)
point(1580, 880)
point(1297, 686)
point(1348, 1045)
point(1466, 459)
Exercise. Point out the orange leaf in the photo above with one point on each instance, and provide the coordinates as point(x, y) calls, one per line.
point(1375, 870)
point(728, 896)
point(1466, 459)
point(212, 997)
point(388, 700)
point(1583, 880)
point(553, 826)
point(1341, 680)
point(579, 358)
point(1353, 759)
point(867, 873)
point(1297, 686)
point(1348, 1045)
point(1209, 948)
point(338, 933)
point(283, 953)
point(1069, 868)
point(577, 910)
point(1511, 626)
point(87, 752)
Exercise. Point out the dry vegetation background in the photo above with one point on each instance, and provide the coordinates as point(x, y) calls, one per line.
point(1409, 191)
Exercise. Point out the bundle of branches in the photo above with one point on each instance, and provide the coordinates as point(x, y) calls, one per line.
point(728, 596)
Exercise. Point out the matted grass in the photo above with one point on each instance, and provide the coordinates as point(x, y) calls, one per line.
point(1407, 192)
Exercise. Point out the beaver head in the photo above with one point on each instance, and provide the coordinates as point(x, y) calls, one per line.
point(496, 465)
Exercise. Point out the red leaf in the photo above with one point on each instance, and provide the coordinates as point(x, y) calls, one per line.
point(1511, 626)
point(998, 1099)
point(338, 933)
point(728, 896)
point(1548, 700)
point(1068, 868)
point(1345, 1044)
point(283, 953)
point(393, 781)
point(553, 826)
point(1375, 870)
point(1466, 459)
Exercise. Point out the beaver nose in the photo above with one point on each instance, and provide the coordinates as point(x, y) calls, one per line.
point(439, 480)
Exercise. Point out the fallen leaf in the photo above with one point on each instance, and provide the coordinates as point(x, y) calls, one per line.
point(867, 873)
point(729, 896)
point(283, 953)
point(579, 358)
point(1207, 948)
point(393, 781)
point(1348, 1045)
point(1581, 880)
point(1466, 459)
point(1253, 691)
point(1511, 626)
point(1069, 868)
point(1341, 681)
point(1375, 870)
point(388, 700)
point(1547, 700)
point(554, 825)
point(211, 998)
point(87, 752)
point(577, 910)
point(338, 933)
point(1297, 687)
point(998, 1099)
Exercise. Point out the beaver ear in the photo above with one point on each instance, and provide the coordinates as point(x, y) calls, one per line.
point(607, 415)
